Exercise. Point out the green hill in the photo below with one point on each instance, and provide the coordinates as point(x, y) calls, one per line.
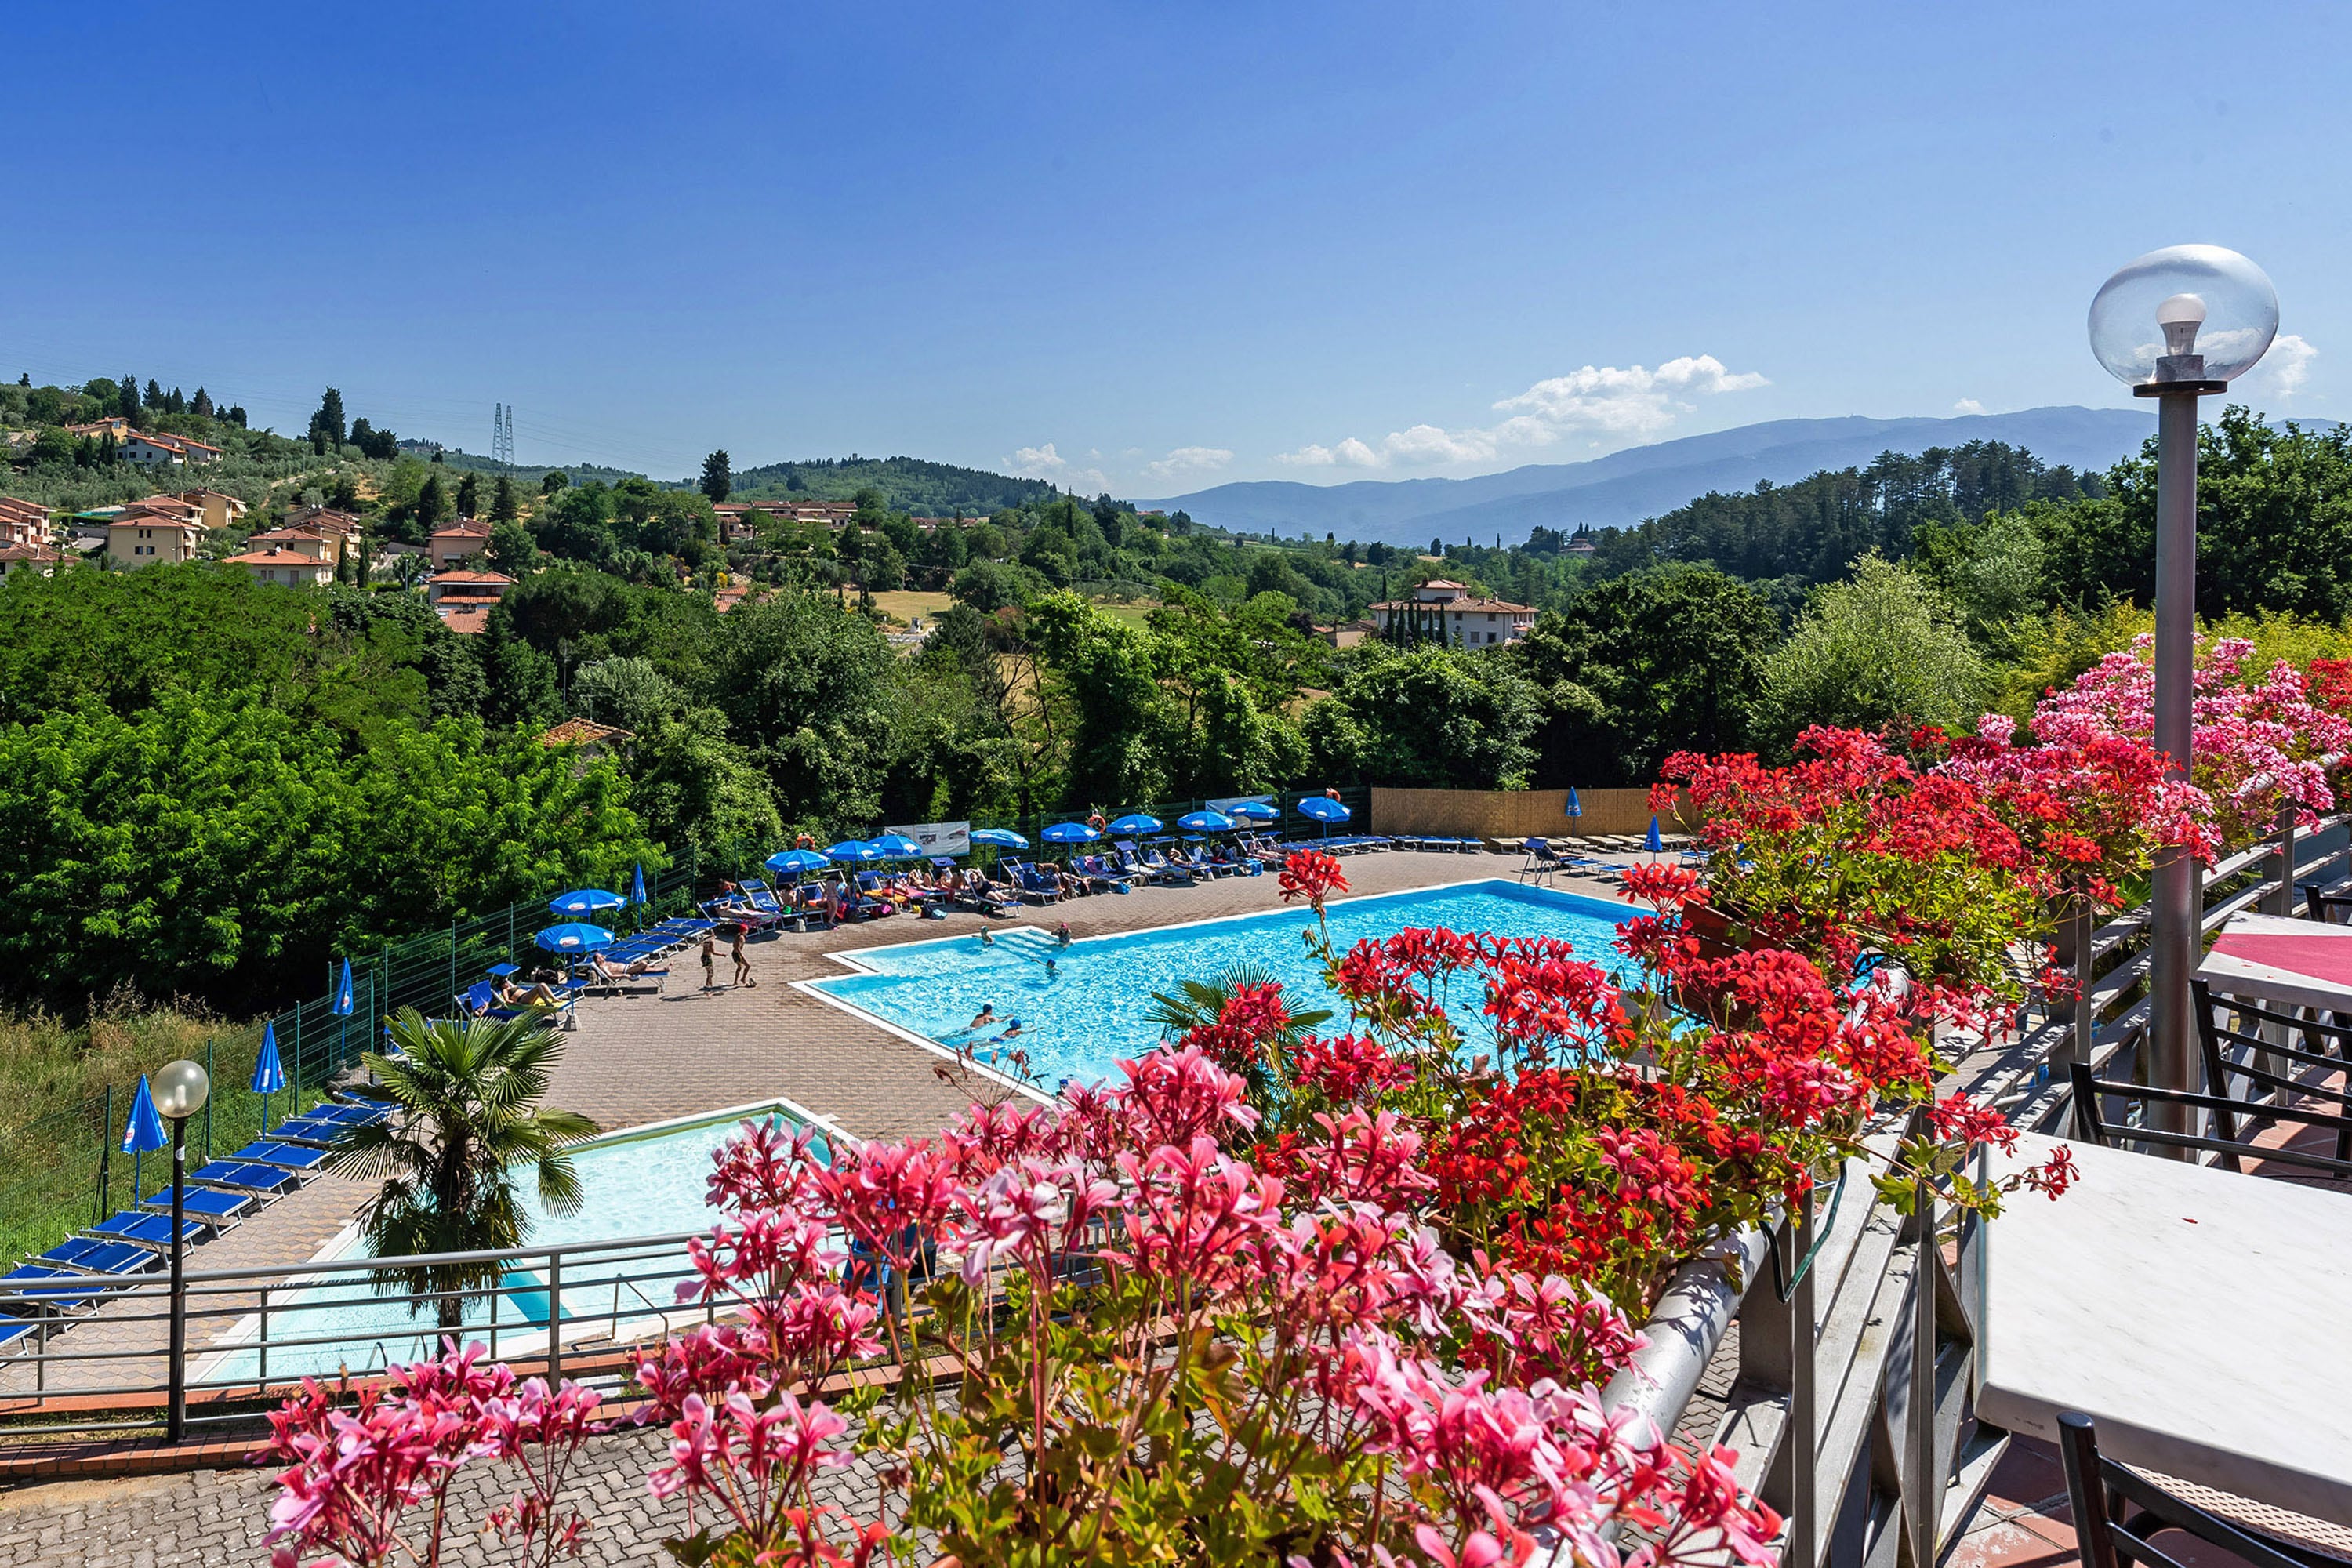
point(908, 484)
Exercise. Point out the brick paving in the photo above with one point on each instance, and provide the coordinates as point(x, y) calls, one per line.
point(632, 1061)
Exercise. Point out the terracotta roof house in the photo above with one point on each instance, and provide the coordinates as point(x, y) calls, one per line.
point(165, 451)
point(461, 538)
point(23, 522)
point(143, 535)
point(587, 734)
point(463, 599)
point(291, 567)
point(1439, 604)
point(38, 559)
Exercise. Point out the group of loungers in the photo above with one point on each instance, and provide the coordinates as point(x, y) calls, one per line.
point(76, 1275)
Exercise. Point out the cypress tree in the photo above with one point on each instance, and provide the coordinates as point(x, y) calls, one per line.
point(126, 399)
point(469, 496)
point(154, 396)
point(502, 501)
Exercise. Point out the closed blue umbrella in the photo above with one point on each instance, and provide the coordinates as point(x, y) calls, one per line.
point(1575, 803)
point(637, 886)
point(585, 901)
point(1323, 808)
point(343, 992)
point(793, 862)
point(1653, 843)
point(1001, 837)
point(854, 852)
point(1070, 832)
point(1206, 822)
point(898, 846)
point(1136, 821)
point(574, 936)
point(1255, 810)
point(143, 1131)
point(269, 1072)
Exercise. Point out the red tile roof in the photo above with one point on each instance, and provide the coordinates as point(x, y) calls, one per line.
point(276, 557)
point(465, 616)
point(583, 732)
point(453, 577)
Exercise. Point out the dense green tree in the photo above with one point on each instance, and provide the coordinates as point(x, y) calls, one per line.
point(510, 549)
point(1883, 651)
point(327, 423)
point(201, 405)
point(552, 481)
point(717, 481)
point(521, 682)
point(503, 505)
point(694, 786)
point(431, 506)
point(628, 691)
point(126, 399)
point(470, 495)
point(1432, 717)
point(810, 688)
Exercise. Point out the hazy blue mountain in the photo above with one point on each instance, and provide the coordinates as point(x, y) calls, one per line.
point(1642, 482)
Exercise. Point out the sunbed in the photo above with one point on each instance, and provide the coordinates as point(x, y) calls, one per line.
point(1031, 883)
point(292, 1156)
point(99, 1255)
point(239, 1177)
point(347, 1112)
point(31, 1288)
point(218, 1209)
point(148, 1229)
point(303, 1129)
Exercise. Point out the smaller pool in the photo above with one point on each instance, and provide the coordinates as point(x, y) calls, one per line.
point(642, 1182)
point(1085, 1007)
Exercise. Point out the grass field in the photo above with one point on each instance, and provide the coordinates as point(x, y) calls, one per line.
point(903, 606)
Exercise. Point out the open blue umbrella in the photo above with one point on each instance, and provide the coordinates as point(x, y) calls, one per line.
point(1252, 810)
point(574, 936)
point(1001, 837)
point(1323, 808)
point(1654, 844)
point(1136, 823)
point(585, 901)
point(1575, 805)
point(143, 1131)
point(1206, 822)
point(793, 862)
point(269, 1072)
point(856, 852)
point(637, 886)
point(1070, 832)
point(899, 846)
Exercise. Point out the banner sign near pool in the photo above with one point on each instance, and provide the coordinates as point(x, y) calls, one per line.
point(938, 837)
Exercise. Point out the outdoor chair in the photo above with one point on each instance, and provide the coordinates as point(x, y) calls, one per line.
point(2327, 901)
point(98, 1255)
point(147, 1230)
point(239, 1177)
point(2118, 1512)
point(31, 1291)
point(2241, 1053)
point(2094, 1124)
point(1542, 860)
point(1030, 884)
point(763, 898)
point(289, 1156)
point(218, 1209)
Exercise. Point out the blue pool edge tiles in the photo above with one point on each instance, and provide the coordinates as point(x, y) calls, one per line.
point(1083, 1007)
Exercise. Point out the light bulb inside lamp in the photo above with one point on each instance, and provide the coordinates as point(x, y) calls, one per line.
point(180, 1088)
point(2180, 316)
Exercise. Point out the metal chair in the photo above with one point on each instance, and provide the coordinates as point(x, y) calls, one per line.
point(2117, 1511)
point(2266, 1090)
point(2092, 1125)
point(1542, 860)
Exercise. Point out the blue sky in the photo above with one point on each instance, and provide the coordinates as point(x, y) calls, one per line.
point(1149, 247)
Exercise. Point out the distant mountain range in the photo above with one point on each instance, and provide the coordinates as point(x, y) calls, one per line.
point(1626, 486)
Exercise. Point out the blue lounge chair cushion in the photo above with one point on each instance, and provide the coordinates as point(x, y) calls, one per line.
point(15, 1329)
point(304, 1129)
point(234, 1173)
point(95, 1256)
point(294, 1158)
point(153, 1228)
point(203, 1203)
point(33, 1289)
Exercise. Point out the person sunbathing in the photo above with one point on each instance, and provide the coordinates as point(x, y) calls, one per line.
point(539, 994)
point(612, 976)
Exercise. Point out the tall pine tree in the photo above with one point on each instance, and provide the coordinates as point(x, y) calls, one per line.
point(502, 501)
point(469, 496)
point(717, 481)
point(126, 399)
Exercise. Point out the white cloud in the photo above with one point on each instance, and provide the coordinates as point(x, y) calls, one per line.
point(1968, 405)
point(2284, 369)
point(1188, 461)
point(1046, 463)
point(1619, 405)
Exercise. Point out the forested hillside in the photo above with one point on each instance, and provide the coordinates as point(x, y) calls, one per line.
point(905, 484)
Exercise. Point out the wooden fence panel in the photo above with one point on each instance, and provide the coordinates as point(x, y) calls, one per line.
point(1511, 814)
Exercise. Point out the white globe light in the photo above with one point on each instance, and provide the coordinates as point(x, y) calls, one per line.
point(2180, 303)
point(180, 1088)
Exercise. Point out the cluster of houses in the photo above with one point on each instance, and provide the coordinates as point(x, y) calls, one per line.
point(148, 449)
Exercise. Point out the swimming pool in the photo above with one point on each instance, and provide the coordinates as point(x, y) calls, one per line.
point(642, 1182)
point(1091, 1009)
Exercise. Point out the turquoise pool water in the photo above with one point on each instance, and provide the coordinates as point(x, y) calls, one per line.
point(1090, 1010)
point(634, 1184)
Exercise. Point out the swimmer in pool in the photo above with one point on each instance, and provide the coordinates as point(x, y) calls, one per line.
point(1010, 1029)
point(986, 1016)
point(1062, 933)
point(1049, 966)
point(986, 939)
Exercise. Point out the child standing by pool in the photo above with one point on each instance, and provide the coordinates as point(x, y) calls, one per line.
point(710, 960)
point(743, 960)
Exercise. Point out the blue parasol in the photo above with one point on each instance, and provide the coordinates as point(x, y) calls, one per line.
point(899, 846)
point(793, 862)
point(1254, 810)
point(1070, 832)
point(343, 992)
point(856, 852)
point(143, 1131)
point(585, 901)
point(1137, 823)
point(1575, 805)
point(1322, 808)
point(574, 936)
point(637, 886)
point(1001, 837)
point(269, 1072)
point(1206, 822)
point(1653, 843)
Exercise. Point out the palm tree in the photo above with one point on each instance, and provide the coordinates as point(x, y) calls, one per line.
point(1203, 1001)
point(450, 1158)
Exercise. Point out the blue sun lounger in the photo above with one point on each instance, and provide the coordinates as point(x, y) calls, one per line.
point(95, 1255)
point(218, 1209)
point(347, 1113)
point(290, 1156)
point(239, 1177)
point(148, 1229)
point(307, 1129)
point(30, 1289)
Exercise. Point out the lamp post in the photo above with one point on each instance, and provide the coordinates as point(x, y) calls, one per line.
point(2176, 325)
point(180, 1090)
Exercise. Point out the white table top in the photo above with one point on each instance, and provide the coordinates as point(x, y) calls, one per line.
point(2314, 968)
point(2197, 1316)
